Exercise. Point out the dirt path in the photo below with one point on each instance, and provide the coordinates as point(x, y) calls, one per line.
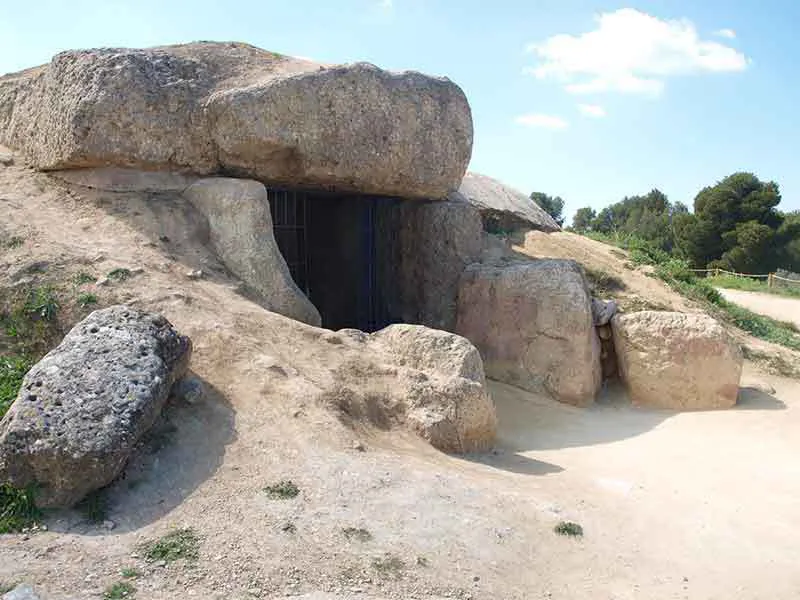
point(777, 307)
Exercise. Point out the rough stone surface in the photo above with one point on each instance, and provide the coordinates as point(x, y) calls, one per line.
point(602, 311)
point(23, 591)
point(532, 322)
point(449, 406)
point(502, 207)
point(207, 108)
point(433, 243)
point(240, 231)
point(677, 361)
point(83, 407)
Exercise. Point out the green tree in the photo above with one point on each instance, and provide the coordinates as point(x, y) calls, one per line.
point(736, 225)
point(583, 219)
point(552, 205)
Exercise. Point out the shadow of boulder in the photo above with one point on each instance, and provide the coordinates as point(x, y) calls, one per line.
point(752, 398)
point(183, 449)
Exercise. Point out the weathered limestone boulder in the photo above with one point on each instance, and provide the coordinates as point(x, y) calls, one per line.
point(503, 208)
point(85, 405)
point(677, 361)
point(425, 380)
point(432, 244)
point(449, 407)
point(209, 108)
point(240, 231)
point(23, 591)
point(532, 323)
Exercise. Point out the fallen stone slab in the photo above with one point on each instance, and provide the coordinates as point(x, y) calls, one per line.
point(84, 406)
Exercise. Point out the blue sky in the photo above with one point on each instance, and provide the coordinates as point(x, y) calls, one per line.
point(675, 94)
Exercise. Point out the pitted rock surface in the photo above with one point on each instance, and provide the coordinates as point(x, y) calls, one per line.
point(84, 406)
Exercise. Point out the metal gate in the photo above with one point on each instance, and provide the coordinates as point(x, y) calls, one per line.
point(289, 213)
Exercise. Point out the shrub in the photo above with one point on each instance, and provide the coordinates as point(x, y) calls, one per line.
point(17, 509)
point(181, 543)
point(283, 490)
point(569, 529)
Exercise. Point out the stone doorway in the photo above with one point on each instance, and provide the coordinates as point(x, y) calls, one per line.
point(337, 248)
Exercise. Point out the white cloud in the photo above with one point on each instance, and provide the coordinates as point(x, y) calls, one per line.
point(630, 52)
point(543, 121)
point(592, 110)
point(726, 33)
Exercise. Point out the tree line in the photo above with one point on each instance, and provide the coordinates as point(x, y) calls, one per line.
point(735, 225)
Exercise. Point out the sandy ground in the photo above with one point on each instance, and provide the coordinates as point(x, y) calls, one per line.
point(674, 506)
point(777, 307)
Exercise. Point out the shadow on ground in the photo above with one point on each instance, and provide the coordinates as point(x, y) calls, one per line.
point(183, 449)
point(754, 399)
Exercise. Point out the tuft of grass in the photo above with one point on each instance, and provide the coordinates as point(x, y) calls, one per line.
point(389, 565)
point(358, 534)
point(17, 509)
point(83, 278)
point(130, 573)
point(119, 274)
point(86, 298)
point(289, 527)
point(179, 544)
point(283, 490)
point(772, 362)
point(28, 319)
point(569, 529)
point(95, 507)
point(13, 242)
point(12, 372)
point(119, 590)
point(41, 303)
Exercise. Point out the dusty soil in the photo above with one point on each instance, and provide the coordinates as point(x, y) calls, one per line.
point(674, 506)
point(777, 307)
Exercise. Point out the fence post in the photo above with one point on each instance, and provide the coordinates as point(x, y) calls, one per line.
point(769, 280)
point(716, 272)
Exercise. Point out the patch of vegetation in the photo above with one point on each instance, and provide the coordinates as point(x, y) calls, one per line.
point(422, 561)
point(748, 284)
point(95, 507)
point(179, 544)
point(389, 565)
point(13, 242)
point(283, 490)
point(569, 529)
point(119, 590)
point(676, 273)
point(83, 278)
point(12, 372)
point(86, 298)
point(358, 534)
point(28, 318)
point(119, 274)
point(17, 509)
point(130, 573)
point(603, 283)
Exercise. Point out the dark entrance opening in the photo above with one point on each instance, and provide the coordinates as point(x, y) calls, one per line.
point(336, 248)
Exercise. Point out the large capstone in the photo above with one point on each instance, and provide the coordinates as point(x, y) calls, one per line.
point(85, 405)
point(231, 108)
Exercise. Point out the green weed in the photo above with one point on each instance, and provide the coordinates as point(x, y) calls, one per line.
point(83, 278)
point(569, 529)
point(12, 372)
point(119, 274)
point(357, 533)
point(178, 544)
point(86, 298)
point(283, 490)
point(119, 590)
point(17, 509)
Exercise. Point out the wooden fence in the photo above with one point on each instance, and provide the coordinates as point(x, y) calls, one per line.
point(770, 277)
